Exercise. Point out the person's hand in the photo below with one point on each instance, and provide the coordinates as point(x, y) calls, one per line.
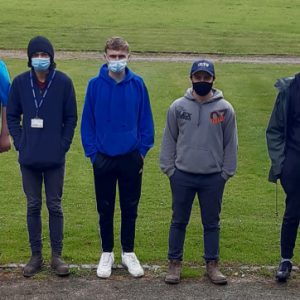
point(4, 143)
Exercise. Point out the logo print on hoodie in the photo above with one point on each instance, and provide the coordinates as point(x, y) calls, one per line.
point(181, 114)
point(218, 116)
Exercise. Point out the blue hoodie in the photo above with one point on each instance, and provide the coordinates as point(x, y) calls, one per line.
point(117, 117)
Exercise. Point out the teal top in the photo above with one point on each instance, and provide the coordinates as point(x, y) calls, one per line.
point(4, 83)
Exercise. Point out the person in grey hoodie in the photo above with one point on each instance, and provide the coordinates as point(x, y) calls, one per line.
point(198, 154)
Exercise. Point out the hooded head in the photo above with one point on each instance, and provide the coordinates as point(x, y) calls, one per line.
point(40, 44)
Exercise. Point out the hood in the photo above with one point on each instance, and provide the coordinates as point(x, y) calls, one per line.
point(40, 44)
point(103, 73)
point(217, 95)
point(283, 83)
point(129, 75)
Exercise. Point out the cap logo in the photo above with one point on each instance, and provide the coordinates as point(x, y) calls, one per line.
point(203, 64)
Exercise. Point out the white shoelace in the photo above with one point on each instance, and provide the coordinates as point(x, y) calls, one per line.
point(133, 260)
point(105, 260)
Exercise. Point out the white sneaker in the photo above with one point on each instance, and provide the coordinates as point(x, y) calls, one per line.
point(132, 264)
point(105, 264)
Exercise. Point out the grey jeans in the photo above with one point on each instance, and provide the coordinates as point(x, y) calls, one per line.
point(32, 185)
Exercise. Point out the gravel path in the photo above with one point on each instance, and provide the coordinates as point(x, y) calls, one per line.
point(125, 287)
point(84, 284)
point(164, 57)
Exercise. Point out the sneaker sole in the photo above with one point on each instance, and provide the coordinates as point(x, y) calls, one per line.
point(282, 279)
point(170, 281)
point(218, 282)
point(62, 274)
point(221, 282)
point(103, 277)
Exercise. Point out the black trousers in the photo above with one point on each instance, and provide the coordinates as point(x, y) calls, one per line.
point(32, 185)
point(290, 181)
point(126, 170)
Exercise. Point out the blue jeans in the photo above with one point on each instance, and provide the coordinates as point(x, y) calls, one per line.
point(209, 188)
point(32, 186)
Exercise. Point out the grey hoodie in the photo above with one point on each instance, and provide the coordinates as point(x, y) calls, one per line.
point(200, 138)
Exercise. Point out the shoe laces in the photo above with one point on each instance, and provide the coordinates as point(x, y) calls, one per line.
point(132, 259)
point(105, 259)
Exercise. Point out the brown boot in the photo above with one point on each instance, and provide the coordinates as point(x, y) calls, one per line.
point(33, 266)
point(59, 266)
point(173, 275)
point(214, 273)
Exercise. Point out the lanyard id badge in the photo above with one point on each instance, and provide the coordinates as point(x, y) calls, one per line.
point(37, 123)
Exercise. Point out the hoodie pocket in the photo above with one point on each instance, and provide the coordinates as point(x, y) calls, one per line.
point(116, 143)
point(197, 160)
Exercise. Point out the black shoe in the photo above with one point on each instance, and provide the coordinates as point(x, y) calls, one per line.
point(59, 266)
point(284, 271)
point(33, 266)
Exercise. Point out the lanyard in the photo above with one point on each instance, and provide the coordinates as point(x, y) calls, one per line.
point(39, 105)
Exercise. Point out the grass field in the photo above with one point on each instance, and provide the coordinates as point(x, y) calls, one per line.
point(250, 229)
point(201, 26)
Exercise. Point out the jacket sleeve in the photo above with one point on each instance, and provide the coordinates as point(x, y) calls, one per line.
point(230, 145)
point(168, 145)
point(14, 112)
point(88, 126)
point(146, 125)
point(69, 116)
point(4, 84)
point(276, 137)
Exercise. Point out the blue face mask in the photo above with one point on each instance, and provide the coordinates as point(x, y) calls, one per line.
point(40, 63)
point(117, 66)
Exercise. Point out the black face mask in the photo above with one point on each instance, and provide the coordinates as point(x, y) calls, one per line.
point(202, 88)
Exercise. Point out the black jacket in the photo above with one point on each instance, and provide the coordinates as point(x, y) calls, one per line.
point(45, 147)
point(278, 125)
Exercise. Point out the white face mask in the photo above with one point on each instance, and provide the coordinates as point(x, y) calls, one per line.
point(117, 66)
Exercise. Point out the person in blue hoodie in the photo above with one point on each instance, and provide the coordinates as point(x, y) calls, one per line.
point(42, 117)
point(4, 90)
point(117, 131)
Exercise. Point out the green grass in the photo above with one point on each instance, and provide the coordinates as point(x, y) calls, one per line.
point(206, 26)
point(250, 229)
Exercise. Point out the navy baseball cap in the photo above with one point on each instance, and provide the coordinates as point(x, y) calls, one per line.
point(203, 65)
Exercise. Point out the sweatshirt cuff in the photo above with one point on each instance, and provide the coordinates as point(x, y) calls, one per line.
point(170, 172)
point(225, 176)
point(93, 157)
point(143, 152)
